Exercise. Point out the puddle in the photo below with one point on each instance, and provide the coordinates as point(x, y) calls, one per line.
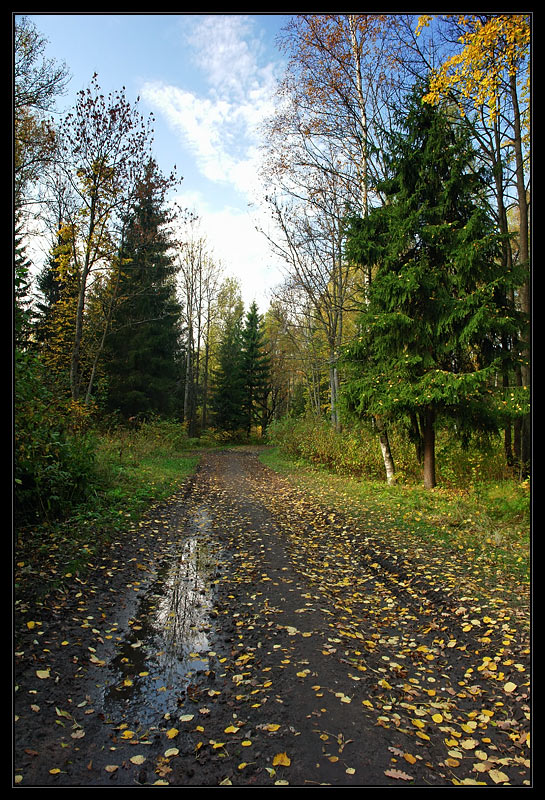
point(169, 639)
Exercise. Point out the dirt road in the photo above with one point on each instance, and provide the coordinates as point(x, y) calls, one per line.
point(243, 636)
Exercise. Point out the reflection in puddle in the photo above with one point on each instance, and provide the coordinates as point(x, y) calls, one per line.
point(169, 638)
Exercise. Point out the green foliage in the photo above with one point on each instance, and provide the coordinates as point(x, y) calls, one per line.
point(429, 334)
point(142, 364)
point(54, 465)
point(241, 382)
point(228, 378)
point(255, 369)
point(355, 451)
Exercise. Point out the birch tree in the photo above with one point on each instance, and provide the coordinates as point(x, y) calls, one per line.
point(333, 96)
point(199, 283)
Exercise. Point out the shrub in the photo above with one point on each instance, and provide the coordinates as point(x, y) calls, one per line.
point(356, 451)
point(53, 460)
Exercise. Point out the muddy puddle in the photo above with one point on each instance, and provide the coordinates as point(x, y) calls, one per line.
point(169, 638)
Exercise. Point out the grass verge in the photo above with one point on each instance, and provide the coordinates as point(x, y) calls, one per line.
point(50, 554)
point(483, 532)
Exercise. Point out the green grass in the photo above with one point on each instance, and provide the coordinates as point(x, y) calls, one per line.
point(484, 530)
point(131, 475)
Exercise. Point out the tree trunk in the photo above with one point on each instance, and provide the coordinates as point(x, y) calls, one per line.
point(524, 258)
point(189, 387)
point(75, 378)
point(334, 394)
point(429, 448)
point(386, 452)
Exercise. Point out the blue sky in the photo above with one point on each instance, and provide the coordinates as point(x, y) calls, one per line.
point(209, 81)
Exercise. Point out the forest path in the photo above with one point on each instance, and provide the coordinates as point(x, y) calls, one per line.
point(244, 635)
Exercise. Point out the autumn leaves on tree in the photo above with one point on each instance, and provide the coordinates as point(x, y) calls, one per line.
point(365, 176)
point(401, 215)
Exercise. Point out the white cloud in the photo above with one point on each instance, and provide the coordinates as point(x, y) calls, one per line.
point(221, 129)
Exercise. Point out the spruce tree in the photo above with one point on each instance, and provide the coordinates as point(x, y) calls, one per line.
point(143, 349)
point(228, 378)
point(429, 333)
point(256, 369)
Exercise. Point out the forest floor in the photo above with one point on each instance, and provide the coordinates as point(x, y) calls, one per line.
point(245, 635)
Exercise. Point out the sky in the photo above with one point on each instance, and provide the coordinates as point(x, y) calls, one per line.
point(209, 82)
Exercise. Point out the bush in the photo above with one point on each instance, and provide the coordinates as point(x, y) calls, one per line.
point(356, 451)
point(53, 461)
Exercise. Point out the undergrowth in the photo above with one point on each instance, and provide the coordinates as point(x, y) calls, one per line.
point(131, 471)
point(484, 526)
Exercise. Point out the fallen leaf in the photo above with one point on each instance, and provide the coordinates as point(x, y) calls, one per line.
point(231, 729)
point(43, 673)
point(398, 775)
point(281, 759)
point(498, 776)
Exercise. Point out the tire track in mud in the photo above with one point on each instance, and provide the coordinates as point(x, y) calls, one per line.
point(275, 644)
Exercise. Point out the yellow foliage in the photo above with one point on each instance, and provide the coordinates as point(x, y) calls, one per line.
point(492, 50)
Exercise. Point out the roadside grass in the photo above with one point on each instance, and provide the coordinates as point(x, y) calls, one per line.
point(484, 531)
point(131, 475)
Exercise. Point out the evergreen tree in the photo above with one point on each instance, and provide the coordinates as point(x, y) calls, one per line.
point(429, 335)
point(143, 348)
point(22, 282)
point(228, 378)
point(256, 370)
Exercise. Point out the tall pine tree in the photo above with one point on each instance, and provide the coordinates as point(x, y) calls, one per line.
point(228, 378)
point(429, 336)
point(143, 348)
point(255, 369)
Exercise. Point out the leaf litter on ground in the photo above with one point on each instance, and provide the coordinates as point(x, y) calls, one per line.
point(314, 606)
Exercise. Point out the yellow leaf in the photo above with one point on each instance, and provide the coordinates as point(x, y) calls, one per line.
point(172, 733)
point(509, 687)
point(137, 759)
point(497, 776)
point(231, 729)
point(42, 673)
point(281, 759)
point(437, 718)
point(469, 744)
point(127, 734)
point(410, 758)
